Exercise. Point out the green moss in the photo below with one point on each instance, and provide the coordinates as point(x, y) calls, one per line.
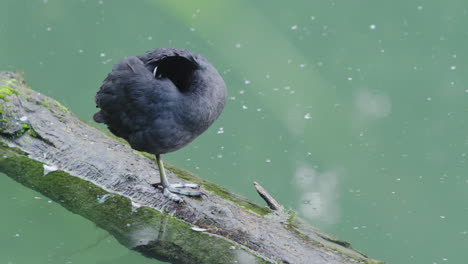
point(179, 244)
point(188, 176)
point(6, 150)
point(6, 91)
point(46, 103)
point(54, 104)
point(61, 107)
point(221, 191)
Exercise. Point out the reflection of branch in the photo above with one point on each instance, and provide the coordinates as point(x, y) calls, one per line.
point(272, 203)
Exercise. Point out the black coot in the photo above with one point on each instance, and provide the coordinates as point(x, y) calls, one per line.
point(161, 101)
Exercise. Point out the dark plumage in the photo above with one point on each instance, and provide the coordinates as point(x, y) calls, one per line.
point(161, 101)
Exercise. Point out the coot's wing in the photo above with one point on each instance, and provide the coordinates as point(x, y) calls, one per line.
point(129, 97)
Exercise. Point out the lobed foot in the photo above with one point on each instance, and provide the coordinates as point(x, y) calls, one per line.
point(171, 190)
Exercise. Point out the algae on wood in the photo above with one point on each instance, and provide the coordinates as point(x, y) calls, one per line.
point(105, 181)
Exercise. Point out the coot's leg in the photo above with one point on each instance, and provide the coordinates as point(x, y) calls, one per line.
point(170, 190)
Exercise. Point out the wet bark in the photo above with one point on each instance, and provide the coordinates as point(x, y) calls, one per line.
point(45, 147)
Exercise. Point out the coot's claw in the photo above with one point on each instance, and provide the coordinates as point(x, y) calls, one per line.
point(185, 185)
point(175, 188)
point(174, 197)
point(170, 191)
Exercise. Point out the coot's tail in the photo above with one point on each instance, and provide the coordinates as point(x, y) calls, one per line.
point(98, 118)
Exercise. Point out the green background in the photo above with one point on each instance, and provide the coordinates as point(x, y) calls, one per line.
point(353, 113)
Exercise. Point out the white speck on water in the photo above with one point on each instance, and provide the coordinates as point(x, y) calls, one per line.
point(238, 45)
point(268, 160)
point(49, 29)
point(246, 82)
point(267, 76)
point(259, 109)
point(244, 107)
point(80, 51)
point(128, 225)
point(220, 130)
point(294, 27)
point(23, 118)
point(302, 65)
point(398, 179)
point(287, 88)
point(320, 64)
point(289, 61)
point(219, 156)
point(442, 217)
point(242, 91)
point(312, 18)
point(232, 98)
point(453, 67)
point(355, 227)
point(49, 201)
point(429, 99)
point(102, 54)
point(372, 26)
point(192, 29)
point(308, 116)
point(149, 38)
point(17, 235)
point(350, 78)
point(420, 7)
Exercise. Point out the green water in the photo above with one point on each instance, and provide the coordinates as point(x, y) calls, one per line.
point(352, 113)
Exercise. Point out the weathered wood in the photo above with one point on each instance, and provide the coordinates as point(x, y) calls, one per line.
point(103, 179)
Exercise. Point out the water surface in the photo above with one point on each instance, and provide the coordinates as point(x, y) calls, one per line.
point(352, 113)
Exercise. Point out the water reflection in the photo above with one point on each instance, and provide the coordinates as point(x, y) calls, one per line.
point(372, 105)
point(318, 194)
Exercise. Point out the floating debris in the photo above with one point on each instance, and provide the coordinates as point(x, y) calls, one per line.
point(48, 169)
point(135, 206)
point(198, 229)
point(102, 198)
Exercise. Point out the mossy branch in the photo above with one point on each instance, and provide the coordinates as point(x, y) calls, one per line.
point(102, 179)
